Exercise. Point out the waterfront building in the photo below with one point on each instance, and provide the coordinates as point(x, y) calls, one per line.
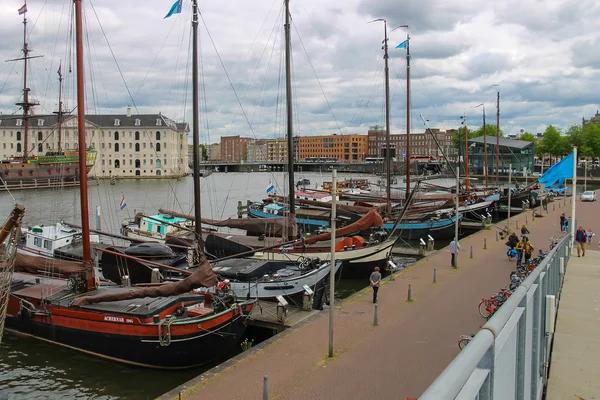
point(128, 146)
point(277, 150)
point(420, 143)
point(214, 151)
point(344, 148)
point(257, 151)
point(519, 153)
point(234, 148)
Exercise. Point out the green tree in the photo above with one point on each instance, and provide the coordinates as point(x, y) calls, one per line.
point(490, 130)
point(528, 137)
point(204, 153)
point(590, 142)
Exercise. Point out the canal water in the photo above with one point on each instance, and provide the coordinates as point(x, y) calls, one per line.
point(30, 369)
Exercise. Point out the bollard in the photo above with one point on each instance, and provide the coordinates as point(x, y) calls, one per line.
point(526, 220)
point(496, 236)
point(266, 386)
point(485, 243)
point(409, 299)
point(516, 225)
point(434, 275)
point(553, 207)
point(559, 204)
point(471, 252)
point(376, 317)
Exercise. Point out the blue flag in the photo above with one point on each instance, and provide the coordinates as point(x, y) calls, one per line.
point(175, 9)
point(270, 187)
point(558, 172)
point(402, 45)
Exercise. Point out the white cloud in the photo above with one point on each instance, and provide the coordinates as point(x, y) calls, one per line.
point(546, 70)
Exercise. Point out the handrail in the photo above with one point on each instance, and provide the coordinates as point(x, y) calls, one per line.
point(454, 378)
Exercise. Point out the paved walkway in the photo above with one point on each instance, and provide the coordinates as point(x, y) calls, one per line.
point(575, 363)
point(413, 343)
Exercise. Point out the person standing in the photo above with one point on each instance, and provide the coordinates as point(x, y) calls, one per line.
point(562, 222)
point(520, 247)
point(527, 250)
point(545, 203)
point(580, 238)
point(454, 247)
point(375, 280)
point(590, 235)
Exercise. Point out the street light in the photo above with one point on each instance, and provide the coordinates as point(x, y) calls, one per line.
point(485, 164)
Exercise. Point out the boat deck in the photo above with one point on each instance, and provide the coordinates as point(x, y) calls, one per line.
point(264, 314)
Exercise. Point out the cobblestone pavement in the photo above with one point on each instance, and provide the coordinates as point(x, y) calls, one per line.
point(413, 343)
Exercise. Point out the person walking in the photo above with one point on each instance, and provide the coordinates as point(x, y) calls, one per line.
point(520, 247)
point(524, 231)
point(590, 235)
point(375, 280)
point(580, 238)
point(545, 203)
point(562, 222)
point(454, 247)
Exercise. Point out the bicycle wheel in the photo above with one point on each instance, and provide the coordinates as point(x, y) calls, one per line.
point(462, 343)
point(484, 307)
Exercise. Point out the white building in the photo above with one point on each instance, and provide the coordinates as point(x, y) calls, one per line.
point(128, 146)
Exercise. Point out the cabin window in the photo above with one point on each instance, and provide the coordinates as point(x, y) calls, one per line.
point(161, 230)
point(40, 136)
point(157, 135)
point(37, 242)
point(137, 135)
point(47, 245)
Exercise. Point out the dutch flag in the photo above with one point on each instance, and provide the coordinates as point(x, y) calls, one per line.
point(23, 9)
point(122, 205)
point(270, 187)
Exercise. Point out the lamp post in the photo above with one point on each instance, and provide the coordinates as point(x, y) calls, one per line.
point(485, 164)
point(464, 122)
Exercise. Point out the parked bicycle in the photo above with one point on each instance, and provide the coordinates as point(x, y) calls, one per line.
point(488, 305)
point(464, 340)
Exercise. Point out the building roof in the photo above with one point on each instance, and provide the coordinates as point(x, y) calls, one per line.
point(517, 144)
point(146, 121)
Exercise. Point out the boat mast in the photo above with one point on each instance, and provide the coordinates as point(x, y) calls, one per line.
point(196, 125)
point(83, 189)
point(388, 158)
point(407, 114)
point(498, 139)
point(464, 122)
point(60, 112)
point(288, 100)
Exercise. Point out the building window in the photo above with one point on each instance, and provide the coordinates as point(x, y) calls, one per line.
point(18, 147)
point(130, 162)
point(18, 135)
point(137, 147)
point(137, 135)
point(116, 147)
point(117, 122)
point(117, 164)
point(157, 135)
point(158, 122)
point(40, 148)
point(157, 146)
point(116, 135)
point(19, 122)
point(165, 161)
point(144, 144)
point(102, 145)
point(40, 136)
point(137, 122)
point(130, 145)
point(40, 122)
point(137, 163)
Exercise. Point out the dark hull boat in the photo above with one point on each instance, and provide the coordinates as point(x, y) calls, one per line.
point(165, 332)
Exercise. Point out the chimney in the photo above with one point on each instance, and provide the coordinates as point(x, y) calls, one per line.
point(129, 111)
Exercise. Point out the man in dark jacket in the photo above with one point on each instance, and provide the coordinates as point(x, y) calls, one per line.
point(513, 239)
point(580, 238)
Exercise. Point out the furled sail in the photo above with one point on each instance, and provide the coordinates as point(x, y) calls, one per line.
point(369, 220)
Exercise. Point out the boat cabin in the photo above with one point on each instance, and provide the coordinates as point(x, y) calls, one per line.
point(314, 196)
point(44, 240)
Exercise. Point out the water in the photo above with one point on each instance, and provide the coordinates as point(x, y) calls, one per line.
point(30, 369)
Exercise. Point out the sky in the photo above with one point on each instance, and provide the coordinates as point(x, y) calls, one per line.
point(543, 55)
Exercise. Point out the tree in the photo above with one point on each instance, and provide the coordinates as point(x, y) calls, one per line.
point(528, 137)
point(590, 140)
point(490, 130)
point(204, 153)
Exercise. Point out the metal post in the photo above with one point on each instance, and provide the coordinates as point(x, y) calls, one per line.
point(376, 317)
point(265, 388)
point(496, 236)
point(509, 193)
point(573, 219)
point(456, 213)
point(485, 243)
point(526, 219)
point(471, 256)
point(516, 225)
point(332, 266)
point(434, 275)
point(409, 299)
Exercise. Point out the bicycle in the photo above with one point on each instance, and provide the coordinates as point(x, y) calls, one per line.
point(488, 305)
point(464, 340)
point(554, 241)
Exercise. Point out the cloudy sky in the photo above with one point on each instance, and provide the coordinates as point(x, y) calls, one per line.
point(544, 55)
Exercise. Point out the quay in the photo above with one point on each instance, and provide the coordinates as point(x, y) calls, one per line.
point(412, 344)
point(44, 184)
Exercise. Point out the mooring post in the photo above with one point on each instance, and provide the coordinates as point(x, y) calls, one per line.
point(376, 317)
point(496, 236)
point(471, 256)
point(516, 225)
point(526, 219)
point(485, 243)
point(553, 206)
point(409, 293)
point(434, 275)
point(266, 387)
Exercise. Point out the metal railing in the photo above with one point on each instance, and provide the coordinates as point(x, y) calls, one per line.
point(508, 357)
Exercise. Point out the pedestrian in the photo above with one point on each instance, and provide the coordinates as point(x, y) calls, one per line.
point(567, 223)
point(524, 231)
point(375, 279)
point(580, 238)
point(520, 247)
point(545, 203)
point(590, 235)
point(562, 222)
point(454, 247)
point(527, 250)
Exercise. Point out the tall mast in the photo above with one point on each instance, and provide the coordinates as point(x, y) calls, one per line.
point(485, 157)
point(196, 125)
point(83, 189)
point(60, 112)
point(498, 139)
point(388, 158)
point(288, 101)
point(407, 115)
point(464, 122)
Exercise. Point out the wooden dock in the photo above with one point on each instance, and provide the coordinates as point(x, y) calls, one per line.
point(265, 315)
point(43, 184)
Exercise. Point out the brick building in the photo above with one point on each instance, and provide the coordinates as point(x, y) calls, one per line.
point(420, 143)
point(234, 148)
point(346, 148)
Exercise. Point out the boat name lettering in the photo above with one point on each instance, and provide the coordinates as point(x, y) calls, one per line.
point(118, 319)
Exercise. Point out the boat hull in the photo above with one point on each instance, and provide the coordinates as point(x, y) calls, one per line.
point(30, 172)
point(127, 343)
point(438, 230)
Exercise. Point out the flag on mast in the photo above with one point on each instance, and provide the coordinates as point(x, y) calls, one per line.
point(270, 187)
point(23, 9)
point(122, 205)
point(402, 45)
point(175, 8)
